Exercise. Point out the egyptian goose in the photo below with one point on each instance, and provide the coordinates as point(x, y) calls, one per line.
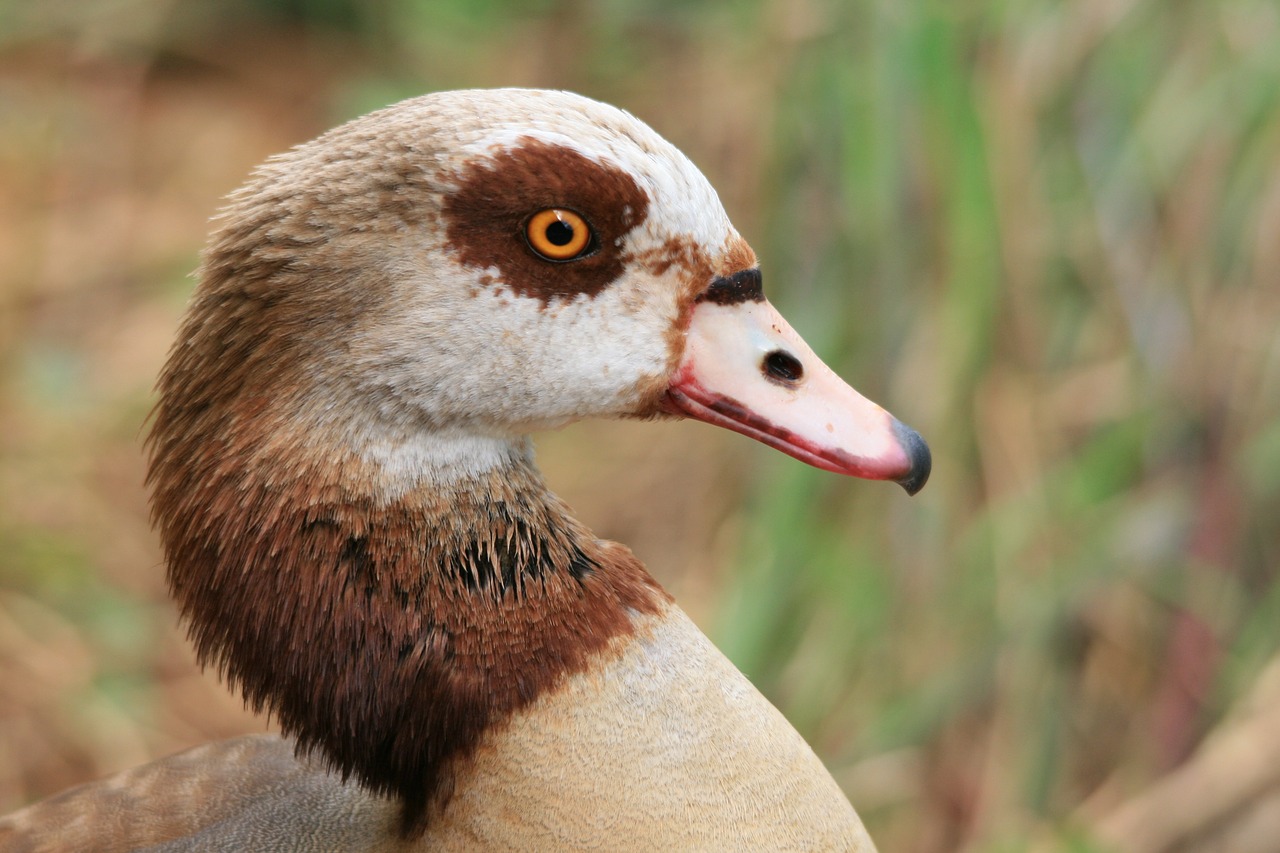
point(361, 544)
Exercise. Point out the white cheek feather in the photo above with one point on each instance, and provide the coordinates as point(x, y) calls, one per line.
point(499, 358)
point(443, 380)
point(459, 352)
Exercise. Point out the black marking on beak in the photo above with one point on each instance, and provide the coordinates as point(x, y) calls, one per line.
point(743, 286)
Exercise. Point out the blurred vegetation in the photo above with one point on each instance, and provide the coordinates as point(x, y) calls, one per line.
point(1045, 234)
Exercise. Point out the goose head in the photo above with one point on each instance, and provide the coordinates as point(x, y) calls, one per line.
point(422, 287)
point(341, 474)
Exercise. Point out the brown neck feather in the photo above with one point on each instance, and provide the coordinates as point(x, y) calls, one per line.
point(387, 635)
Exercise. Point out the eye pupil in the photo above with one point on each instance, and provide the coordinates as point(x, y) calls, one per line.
point(559, 233)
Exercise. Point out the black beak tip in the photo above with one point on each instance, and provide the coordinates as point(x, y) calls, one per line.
point(918, 452)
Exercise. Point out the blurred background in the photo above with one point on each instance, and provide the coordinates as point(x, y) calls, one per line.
point(1045, 234)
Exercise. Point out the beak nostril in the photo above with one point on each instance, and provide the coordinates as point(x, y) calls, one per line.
point(782, 366)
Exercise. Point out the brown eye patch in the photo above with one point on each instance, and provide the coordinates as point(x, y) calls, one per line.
point(487, 216)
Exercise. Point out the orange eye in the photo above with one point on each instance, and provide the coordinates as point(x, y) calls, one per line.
point(558, 234)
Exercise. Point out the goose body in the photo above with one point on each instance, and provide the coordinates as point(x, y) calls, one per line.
point(361, 543)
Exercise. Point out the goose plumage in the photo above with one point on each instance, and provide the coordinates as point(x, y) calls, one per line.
point(359, 540)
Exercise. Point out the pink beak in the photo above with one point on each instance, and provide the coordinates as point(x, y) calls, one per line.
point(746, 369)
